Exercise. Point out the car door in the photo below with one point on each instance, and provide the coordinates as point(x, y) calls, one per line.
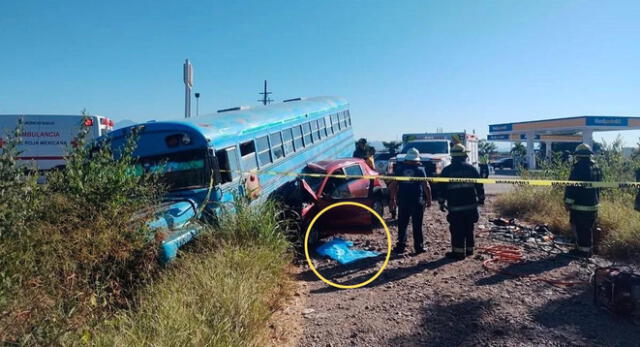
point(353, 189)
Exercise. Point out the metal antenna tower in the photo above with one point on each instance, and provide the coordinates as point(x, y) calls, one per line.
point(265, 95)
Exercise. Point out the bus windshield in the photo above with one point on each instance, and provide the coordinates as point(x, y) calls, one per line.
point(428, 147)
point(181, 170)
point(313, 182)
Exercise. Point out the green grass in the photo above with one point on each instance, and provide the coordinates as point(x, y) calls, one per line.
point(71, 251)
point(224, 298)
point(619, 221)
point(221, 293)
point(78, 265)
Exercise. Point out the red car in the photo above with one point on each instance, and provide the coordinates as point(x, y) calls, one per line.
point(324, 191)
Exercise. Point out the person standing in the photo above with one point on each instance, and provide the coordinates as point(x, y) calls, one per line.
point(361, 149)
point(462, 200)
point(370, 159)
point(411, 196)
point(582, 202)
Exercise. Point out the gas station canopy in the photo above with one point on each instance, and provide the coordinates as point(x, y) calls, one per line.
point(573, 129)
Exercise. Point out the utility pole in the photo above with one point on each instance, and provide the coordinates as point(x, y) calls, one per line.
point(188, 84)
point(197, 95)
point(265, 95)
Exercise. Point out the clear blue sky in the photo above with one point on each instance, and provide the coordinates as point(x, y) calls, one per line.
point(403, 65)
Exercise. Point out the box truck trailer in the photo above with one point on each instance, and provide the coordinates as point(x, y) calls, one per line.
point(45, 139)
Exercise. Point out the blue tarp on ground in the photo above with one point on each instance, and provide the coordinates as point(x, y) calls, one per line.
point(340, 251)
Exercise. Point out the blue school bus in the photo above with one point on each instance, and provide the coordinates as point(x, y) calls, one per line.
point(211, 159)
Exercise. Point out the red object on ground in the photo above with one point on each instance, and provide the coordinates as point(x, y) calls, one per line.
point(508, 254)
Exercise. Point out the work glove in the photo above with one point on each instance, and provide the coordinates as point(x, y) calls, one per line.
point(443, 208)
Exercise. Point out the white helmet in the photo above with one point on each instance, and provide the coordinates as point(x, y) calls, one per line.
point(412, 155)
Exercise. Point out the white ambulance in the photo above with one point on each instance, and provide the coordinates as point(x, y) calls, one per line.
point(47, 138)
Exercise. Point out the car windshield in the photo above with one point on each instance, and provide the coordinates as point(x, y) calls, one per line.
point(180, 170)
point(312, 181)
point(431, 147)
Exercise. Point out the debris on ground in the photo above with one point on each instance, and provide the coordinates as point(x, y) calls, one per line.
point(341, 251)
point(427, 300)
point(617, 289)
point(512, 230)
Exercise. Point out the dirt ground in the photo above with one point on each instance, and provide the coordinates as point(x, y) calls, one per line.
point(427, 300)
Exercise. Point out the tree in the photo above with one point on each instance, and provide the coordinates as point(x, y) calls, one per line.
point(518, 150)
point(635, 155)
point(392, 146)
point(486, 148)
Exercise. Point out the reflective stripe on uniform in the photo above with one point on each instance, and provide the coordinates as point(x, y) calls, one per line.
point(569, 201)
point(470, 249)
point(584, 249)
point(584, 208)
point(463, 208)
point(458, 250)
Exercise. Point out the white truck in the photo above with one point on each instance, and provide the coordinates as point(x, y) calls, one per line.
point(435, 149)
point(46, 138)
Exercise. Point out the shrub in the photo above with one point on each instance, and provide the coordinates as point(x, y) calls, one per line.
point(220, 294)
point(619, 221)
point(18, 188)
point(83, 251)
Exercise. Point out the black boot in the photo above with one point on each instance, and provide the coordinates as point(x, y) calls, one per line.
point(398, 249)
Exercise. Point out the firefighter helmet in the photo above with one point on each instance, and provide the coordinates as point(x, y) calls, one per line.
point(458, 150)
point(583, 150)
point(412, 155)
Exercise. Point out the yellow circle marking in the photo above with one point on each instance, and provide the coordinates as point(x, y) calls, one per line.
point(306, 247)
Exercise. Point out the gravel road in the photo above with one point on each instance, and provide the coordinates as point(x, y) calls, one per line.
point(427, 300)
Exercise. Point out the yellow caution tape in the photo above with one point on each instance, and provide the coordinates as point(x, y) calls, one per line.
point(518, 182)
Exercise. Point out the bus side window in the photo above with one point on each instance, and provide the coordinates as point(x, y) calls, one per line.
point(329, 128)
point(348, 117)
point(248, 155)
point(264, 154)
point(306, 130)
point(343, 117)
point(228, 163)
point(334, 123)
point(276, 146)
point(323, 128)
point(287, 137)
point(297, 137)
point(314, 131)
